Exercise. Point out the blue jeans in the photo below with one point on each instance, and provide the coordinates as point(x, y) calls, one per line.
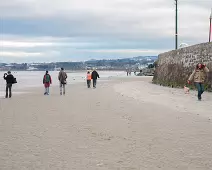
point(62, 88)
point(200, 89)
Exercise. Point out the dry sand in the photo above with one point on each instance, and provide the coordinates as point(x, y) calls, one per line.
point(175, 99)
point(124, 124)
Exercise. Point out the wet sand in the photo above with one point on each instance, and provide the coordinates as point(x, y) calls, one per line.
point(124, 124)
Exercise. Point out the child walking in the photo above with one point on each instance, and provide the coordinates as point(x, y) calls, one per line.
point(47, 80)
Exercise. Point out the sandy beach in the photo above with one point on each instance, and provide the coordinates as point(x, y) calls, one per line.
point(124, 124)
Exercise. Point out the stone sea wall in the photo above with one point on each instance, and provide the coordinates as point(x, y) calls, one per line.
point(174, 67)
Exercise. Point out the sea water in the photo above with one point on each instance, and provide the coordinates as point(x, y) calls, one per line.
point(32, 79)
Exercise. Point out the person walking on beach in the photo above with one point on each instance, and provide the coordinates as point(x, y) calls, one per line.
point(199, 76)
point(127, 72)
point(9, 82)
point(88, 79)
point(47, 80)
point(94, 77)
point(62, 79)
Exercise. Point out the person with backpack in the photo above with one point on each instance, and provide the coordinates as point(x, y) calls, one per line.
point(62, 79)
point(94, 77)
point(47, 80)
point(199, 76)
point(10, 80)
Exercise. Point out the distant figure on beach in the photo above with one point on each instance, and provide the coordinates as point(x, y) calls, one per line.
point(9, 82)
point(94, 77)
point(88, 79)
point(47, 80)
point(62, 78)
point(199, 76)
point(128, 72)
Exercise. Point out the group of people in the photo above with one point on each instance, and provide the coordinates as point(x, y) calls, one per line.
point(198, 75)
point(47, 80)
point(129, 73)
point(92, 76)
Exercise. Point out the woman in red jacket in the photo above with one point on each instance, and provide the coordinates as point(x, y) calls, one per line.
point(47, 80)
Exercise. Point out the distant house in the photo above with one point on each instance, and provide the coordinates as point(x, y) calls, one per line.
point(56, 68)
point(32, 69)
point(183, 45)
point(9, 65)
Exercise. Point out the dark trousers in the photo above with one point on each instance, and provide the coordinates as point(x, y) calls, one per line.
point(8, 89)
point(94, 83)
point(200, 89)
point(89, 83)
point(62, 88)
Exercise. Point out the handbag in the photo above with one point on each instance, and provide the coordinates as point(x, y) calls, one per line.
point(14, 81)
point(64, 82)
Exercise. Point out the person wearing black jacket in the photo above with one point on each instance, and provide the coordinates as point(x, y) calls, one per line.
point(94, 77)
point(10, 80)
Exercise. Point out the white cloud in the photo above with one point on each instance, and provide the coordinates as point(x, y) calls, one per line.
point(149, 18)
point(19, 54)
point(25, 44)
point(130, 51)
point(24, 54)
point(14, 44)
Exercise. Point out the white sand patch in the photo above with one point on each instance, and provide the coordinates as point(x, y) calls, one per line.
point(170, 97)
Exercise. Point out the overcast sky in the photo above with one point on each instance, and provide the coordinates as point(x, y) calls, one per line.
point(77, 30)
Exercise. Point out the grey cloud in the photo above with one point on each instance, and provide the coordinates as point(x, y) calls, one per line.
point(105, 24)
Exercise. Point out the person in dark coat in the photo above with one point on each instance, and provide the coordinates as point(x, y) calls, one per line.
point(9, 82)
point(94, 77)
point(62, 79)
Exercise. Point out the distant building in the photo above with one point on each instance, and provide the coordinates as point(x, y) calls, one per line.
point(183, 45)
point(32, 69)
point(56, 68)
